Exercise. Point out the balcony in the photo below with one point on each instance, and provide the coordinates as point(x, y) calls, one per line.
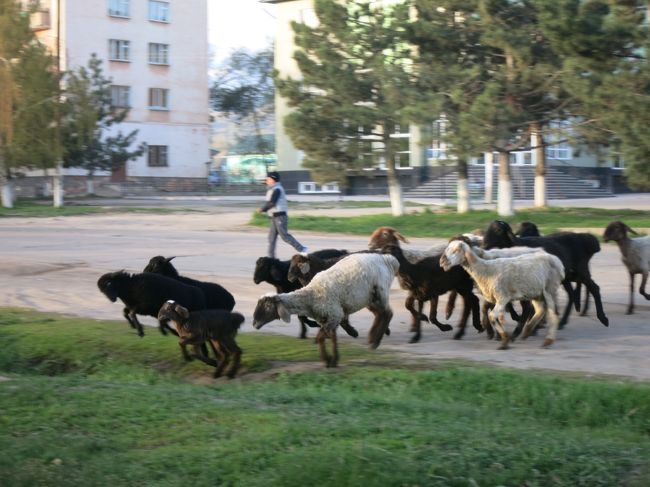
point(40, 20)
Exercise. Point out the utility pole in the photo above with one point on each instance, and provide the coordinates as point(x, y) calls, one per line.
point(57, 183)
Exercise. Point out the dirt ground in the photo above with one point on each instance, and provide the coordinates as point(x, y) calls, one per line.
point(52, 264)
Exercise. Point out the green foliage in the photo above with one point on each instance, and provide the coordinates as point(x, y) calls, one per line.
point(89, 403)
point(28, 88)
point(90, 139)
point(355, 76)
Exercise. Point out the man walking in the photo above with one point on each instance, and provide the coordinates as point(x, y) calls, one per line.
point(276, 207)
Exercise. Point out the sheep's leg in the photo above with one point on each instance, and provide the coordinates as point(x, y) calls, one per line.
point(644, 279)
point(497, 318)
point(593, 288)
point(540, 310)
point(223, 356)
point(552, 320)
point(576, 296)
point(451, 304)
point(630, 306)
point(433, 315)
point(127, 314)
point(470, 304)
point(133, 318)
point(513, 313)
point(304, 322)
point(416, 315)
point(570, 301)
point(485, 320)
point(334, 359)
point(349, 329)
point(320, 339)
point(201, 352)
point(526, 316)
point(198, 348)
point(379, 325)
point(235, 352)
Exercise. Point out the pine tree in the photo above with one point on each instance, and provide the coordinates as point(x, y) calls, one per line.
point(90, 139)
point(355, 67)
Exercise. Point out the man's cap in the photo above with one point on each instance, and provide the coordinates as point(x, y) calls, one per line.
point(273, 175)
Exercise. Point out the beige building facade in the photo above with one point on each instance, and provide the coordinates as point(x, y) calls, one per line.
point(156, 54)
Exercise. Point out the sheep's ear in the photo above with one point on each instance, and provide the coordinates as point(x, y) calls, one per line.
point(401, 237)
point(630, 230)
point(283, 313)
point(304, 267)
point(182, 312)
point(169, 259)
point(470, 256)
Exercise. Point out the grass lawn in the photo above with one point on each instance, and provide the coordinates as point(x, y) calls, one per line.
point(447, 223)
point(44, 209)
point(89, 403)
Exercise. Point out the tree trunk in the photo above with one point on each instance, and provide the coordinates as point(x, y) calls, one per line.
point(90, 185)
point(7, 192)
point(57, 186)
point(394, 186)
point(489, 176)
point(537, 140)
point(463, 199)
point(504, 203)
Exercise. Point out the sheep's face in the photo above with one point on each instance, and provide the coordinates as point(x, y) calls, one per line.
point(498, 235)
point(161, 265)
point(266, 270)
point(528, 229)
point(269, 308)
point(453, 255)
point(298, 268)
point(617, 231)
point(173, 311)
point(107, 286)
point(385, 236)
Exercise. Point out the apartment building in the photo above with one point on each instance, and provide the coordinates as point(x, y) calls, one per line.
point(576, 171)
point(156, 54)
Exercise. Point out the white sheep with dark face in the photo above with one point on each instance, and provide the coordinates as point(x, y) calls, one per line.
point(534, 277)
point(358, 281)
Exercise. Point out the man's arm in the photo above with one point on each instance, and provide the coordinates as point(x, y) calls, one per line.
point(271, 203)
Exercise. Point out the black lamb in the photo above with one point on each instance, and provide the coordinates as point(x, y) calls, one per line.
point(425, 281)
point(145, 293)
point(216, 296)
point(275, 272)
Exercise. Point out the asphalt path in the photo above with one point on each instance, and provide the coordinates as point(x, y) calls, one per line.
point(52, 265)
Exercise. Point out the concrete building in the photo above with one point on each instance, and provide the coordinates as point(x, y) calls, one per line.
point(156, 53)
point(428, 171)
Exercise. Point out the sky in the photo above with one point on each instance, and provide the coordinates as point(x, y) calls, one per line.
point(239, 23)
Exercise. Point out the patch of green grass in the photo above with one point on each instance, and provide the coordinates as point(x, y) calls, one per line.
point(446, 223)
point(43, 208)
point(123, 412)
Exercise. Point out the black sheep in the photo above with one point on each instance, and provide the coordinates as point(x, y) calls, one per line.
point(426, 280)
point(216, 296)
point(573, 249)
point(144, 294)
point(275, 272)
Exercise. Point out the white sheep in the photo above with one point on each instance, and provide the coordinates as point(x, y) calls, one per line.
point(535, 277)
point(355, 282)
point(635, 253)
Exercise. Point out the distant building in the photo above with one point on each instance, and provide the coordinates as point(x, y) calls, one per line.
point(156, 53)
point(429, 171)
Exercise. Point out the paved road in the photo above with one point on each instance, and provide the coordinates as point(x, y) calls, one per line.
point(53, 264)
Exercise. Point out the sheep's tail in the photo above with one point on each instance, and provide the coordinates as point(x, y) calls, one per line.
point(236, 320)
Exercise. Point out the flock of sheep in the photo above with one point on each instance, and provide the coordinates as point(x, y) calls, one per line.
point(325, 287)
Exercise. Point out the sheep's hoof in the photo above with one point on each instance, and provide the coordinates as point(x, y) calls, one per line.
point(504, 346)
point(448, 314)
point(629, 311)
point(387, 332)
point(459, 334)
point(604, 320)
point(415, 338)
point(445, 327)
point(548, 342)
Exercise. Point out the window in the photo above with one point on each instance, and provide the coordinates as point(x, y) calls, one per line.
point(438, 145)
point(120, 96)
point(157, 156)
point(401, 139)
point(558, 147)
point(118, 50)
point(118, 8)
point(159, 98)
point(158, 53)
point(158, 11)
